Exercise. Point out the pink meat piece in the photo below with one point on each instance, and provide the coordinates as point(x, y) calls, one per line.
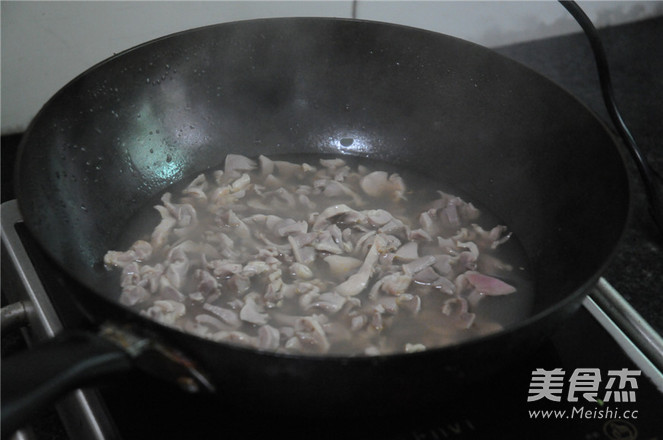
point(130, 275)
point(450, 216)
point(490, 239)
point(151, 275)
point(488, 285)
point(177, 269)
point(408, 252)
point(197, 188)
point(139, 251)
point(237, 162)
point(132, 295)
point(162, 231)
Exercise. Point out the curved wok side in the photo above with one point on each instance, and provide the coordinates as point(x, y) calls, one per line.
point(485, 125)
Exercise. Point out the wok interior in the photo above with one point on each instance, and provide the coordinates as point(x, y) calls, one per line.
point(499, 133)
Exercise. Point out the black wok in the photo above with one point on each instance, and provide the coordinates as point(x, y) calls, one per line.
point(129, 127)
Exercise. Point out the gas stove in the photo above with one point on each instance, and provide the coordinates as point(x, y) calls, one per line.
point(547, 395)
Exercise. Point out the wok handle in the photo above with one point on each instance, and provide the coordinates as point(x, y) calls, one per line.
point(37, 377)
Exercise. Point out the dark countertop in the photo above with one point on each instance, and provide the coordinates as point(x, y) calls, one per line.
point(634, 52)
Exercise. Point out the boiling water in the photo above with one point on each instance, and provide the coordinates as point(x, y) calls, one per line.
point(427, 328)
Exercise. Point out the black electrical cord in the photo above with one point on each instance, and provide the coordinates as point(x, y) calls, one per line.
point(652, 180)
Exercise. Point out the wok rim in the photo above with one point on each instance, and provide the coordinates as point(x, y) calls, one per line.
point(575, 295)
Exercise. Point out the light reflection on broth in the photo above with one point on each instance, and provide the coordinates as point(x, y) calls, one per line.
point(322, 256)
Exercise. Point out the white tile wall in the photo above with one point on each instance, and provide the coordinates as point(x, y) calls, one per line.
point(47, 43)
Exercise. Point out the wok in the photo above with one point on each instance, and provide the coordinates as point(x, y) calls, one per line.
point(120, 133)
